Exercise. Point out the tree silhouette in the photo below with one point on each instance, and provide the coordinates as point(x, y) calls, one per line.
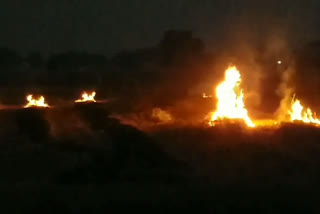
point(35, 59)
point(76, 60)
point(178, 45)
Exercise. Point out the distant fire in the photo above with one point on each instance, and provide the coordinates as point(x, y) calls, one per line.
point(204, 95)
point(230, 99)
point(230, 106)
point(85, 97)
point(298, 113)
point(32, 102)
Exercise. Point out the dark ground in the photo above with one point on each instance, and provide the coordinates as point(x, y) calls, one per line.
point(76, 159)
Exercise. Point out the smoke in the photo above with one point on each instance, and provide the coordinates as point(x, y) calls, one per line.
point(285, 90)
point(254, 41)
point(252, 78)
point(161, 115)
point(146, 120)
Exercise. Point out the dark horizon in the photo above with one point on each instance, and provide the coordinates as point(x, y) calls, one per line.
point(107, 27)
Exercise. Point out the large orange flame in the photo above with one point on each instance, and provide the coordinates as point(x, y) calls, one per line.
point(85, 97)
point(32, 102)
point(297, 113)
point(230, 99)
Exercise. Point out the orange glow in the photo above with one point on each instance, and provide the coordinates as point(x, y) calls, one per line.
point(32, 102)
point(230, 99)
point(266, 123)
point(297, 113)
point(161, 115)
point(85, 97)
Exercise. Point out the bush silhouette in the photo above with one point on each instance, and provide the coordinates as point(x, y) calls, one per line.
point(31, 123)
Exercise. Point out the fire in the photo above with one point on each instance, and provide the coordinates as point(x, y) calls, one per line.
point(230, 99)
point(32, 102)
point(85, 97)
point(297, 113)
point(204, 95)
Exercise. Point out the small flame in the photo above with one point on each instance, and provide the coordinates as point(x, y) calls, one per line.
point(204, 95)
point(230, 99)
point(297, 113)
point(85, 97)
point(32, 102)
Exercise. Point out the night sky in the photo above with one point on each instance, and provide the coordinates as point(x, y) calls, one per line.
point(107, 26)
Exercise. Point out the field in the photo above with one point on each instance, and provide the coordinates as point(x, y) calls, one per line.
point(80, 159)
point(160, 106)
